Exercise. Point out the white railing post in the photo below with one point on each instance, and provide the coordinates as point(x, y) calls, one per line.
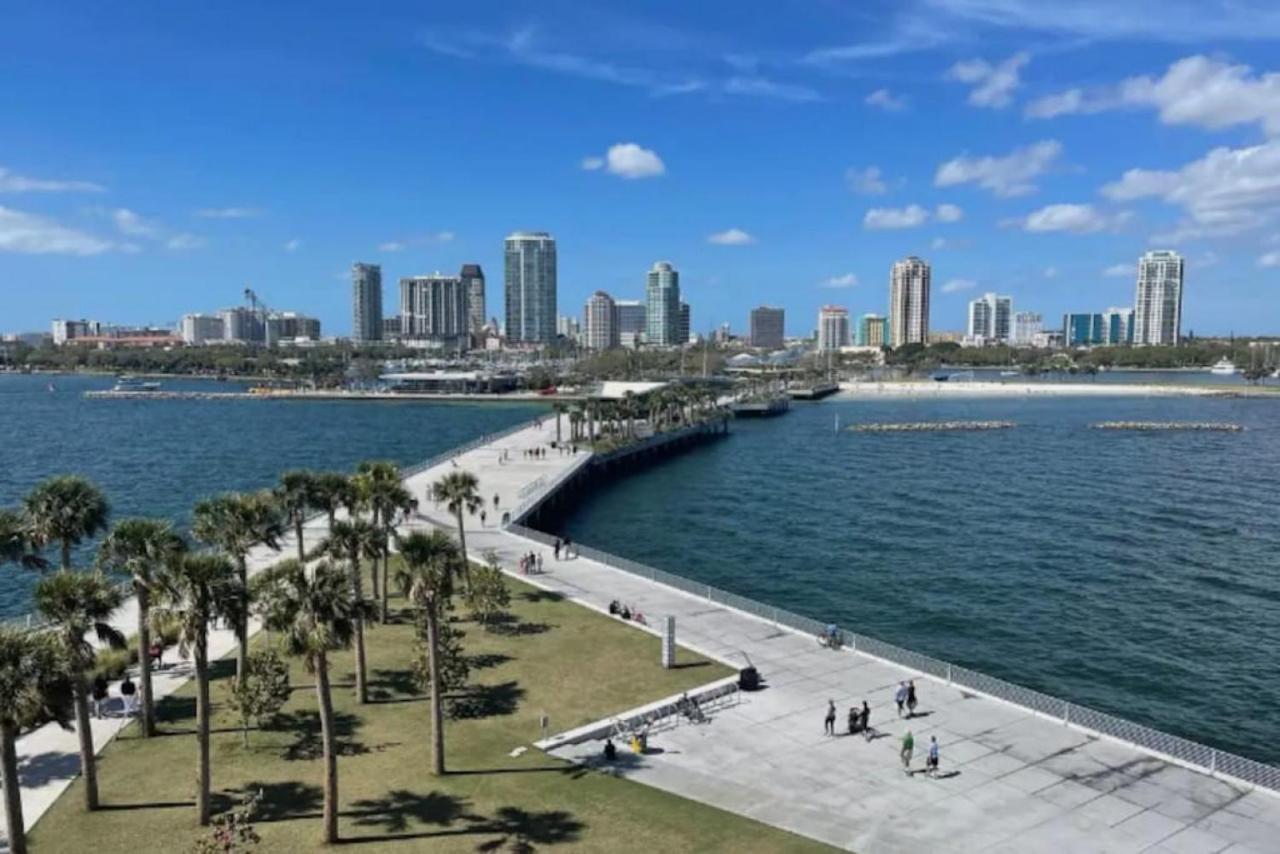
point(948, 673)
point(709, 593)
point(1213, 761)
point(1066, 713)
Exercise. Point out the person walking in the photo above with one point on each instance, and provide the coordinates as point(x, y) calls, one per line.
point(568, 547)
point(556, 548)
point(911, 698)
point(99, 696)
point(483, 516)
point(495, 501)
point(539, 564)
point(901, 697)
point(129, 693)
point(866, 721)
point(931, 762)
point(829, 726)
point(854, 717)
point(908, 745)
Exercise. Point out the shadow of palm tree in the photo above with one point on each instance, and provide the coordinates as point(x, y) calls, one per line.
point(400, 808)
point(41, 768)
point(483, 701)
point(520, 831)
point(393, 686)
point(307, 743)
point(486, 660)
point(542, 596)
point(512, 626)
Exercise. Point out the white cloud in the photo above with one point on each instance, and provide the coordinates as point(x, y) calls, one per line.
point(731, 237)
point(764, 87)
point(866, 182)
point(130, 223)
point(957, 285)
point(1050, 272)
point(392, 246)
point(948, 213)
point(1228, 191)
point(11, 183)
point(292, 245)
point(1071, 218)
point(627, 160)
point(1196, 90)
point(886, 100)
point(994, 85)
point(1271, 259)
point(1120, 271)
point(228, 213)
point(29, 234)
point(940, 243)
point(1010, 175)
point(185, 240)
point(421, 240)
point(848, 280)
point(911, 216)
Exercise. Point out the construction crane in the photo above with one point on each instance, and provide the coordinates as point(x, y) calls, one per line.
point(256, 305)
point(258, 317)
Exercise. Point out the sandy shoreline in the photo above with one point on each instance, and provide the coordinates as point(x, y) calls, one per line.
point(952, 388)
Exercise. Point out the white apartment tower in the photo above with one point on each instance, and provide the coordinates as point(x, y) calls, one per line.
point(990, 319)
point(909, 302)
point(1157, 304)
point(434, 308)
point(530, 284)
point(662, 305)
point(600, 322)
point(833, 328)
point(1026, 326)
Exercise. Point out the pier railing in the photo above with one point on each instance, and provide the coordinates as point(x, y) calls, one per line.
point(1183, 751)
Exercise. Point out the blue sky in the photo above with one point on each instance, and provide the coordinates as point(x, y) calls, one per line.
point(156, 159)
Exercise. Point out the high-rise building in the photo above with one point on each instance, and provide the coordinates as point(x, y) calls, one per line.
point(990, 317)
point(289, 326)
point(909, 302)
point(197, 329)
point(569, 328)
point(1157, 304)
point(872, 331)
point(662, 305)
point(600, 322)
point(632, 316)
point(366, 302)
point(241, 325)
point(685, 327)
point(473, 280)
point(833, 327)
point(530, 284)
point(767, 325)
point(69, 330)
point(1026, 326)
point(434, 308)
point(1082, 329)
point(1117, 326)
point(391, 328)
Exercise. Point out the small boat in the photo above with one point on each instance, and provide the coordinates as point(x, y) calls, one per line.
point(128, 383)
point(1223, 367)
point(1009, 373)
point(941, 378)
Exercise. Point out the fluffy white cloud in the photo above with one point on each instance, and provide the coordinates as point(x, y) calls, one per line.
point(183, 241)
point(948, 213)
point(731, 237)
point(627, 160)
point(228, 213)
point(994, 85)
point(911, 216)
point(1197, 90)
point(848, 280)
point(29, 234)
point(866, 182)
point(1010, 175)
point(1075, 219)
point(1227, 191)
point(956, 285)
point(292, 245)
point(130, 223)
point(11, 183)
point(1120, 271)
point(1271, 259)
point(886, 100)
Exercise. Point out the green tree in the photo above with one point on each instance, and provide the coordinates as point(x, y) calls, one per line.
point(79, 604)
point(235, 523)
point(258, 697)
point(353, 541)
point(451, 663)
point(387, 498)
point(297, 494)
point(488, 595)
point(36, 684)
point(315, 612)
point(233, 832)
point(460, 492)
point(430, 561)
point(66, 510)
point(141, 549)
point(331, 491)
point(16, 545)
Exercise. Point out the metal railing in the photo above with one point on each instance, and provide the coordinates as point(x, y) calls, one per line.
point(34, 622)
point(1198, 756)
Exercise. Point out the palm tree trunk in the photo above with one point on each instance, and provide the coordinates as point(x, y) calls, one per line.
point(297, 530)
point(362, 685)
point(144, 661)
point(462, 546)
point(242, 622)
point(437, 702)
point(386, 560)
point(66, 554)
point(330, 760)
point(12, 790)
point(202, 727)
point(88, 762)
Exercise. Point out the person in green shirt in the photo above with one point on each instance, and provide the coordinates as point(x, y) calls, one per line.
point(908, 745)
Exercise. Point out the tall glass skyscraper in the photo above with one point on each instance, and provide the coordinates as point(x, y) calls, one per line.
point(530, 273)
point(366, 302)
point(662, 305)
point(473, 280)
point(1157, 304)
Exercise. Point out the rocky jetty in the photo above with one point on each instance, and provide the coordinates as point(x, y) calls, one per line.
point(1158, 426)
point(933, 427)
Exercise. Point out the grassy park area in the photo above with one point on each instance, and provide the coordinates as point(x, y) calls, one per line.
point(550, 657)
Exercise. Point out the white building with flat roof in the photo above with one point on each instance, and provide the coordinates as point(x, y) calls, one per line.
point(1157, 303)
point(909, 302)
point(833, 328)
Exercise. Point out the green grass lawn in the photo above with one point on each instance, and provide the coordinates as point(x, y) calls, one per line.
point(555, 657)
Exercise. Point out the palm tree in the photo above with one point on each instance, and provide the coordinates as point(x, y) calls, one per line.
point(78, 603)
point(387, 498)
point(560, 409)
point(15, 542)
point(331, 491)
point(35, 686)
point(235, 523)
point(67, 510)
point(426, 578)
point(194, 592)
point(315, 612)
point(142, 548)
point(459, 490)
point(297, 495)
point(355, 540)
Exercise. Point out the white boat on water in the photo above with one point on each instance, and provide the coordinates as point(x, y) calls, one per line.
point(1224, 367)
point(128, 383)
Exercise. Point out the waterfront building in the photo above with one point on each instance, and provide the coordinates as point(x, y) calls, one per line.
point(569, 328)
point(241, 325)
point(434, 309)
point(662, 305)
point(366, 302)
point(909, 302)
point(290, 326)
point(1117, 326)
point(990, 319)
point(600, 322)
point(530, 286)
point(199, 329)
point(1026, 326)
point(391, 328)
point(723, 333)
point(632, 320)
point(1158, 299)
point(1082, 329)
point(872, 331)
point(945, 336)
point(68, 330)
point(767, 325)
point(473, 280)
point(833, 327)
point(685, 328)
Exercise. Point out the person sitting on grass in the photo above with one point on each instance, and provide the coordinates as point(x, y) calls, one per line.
point(614, 608)
point(625, 613)
point(610, 751)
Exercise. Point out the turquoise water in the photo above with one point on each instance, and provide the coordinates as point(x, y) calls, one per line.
point(158, 457)
point(1136, 573)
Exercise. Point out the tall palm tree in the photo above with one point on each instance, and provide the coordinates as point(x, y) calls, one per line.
point(78, 603)
point(16, 545)
point(35, 686)
point(142, 548)
point(297, 495)
point(193, 592)
point(560, 409)
point(66, 510)
point(460, 491)
point(355, 540)
point(426, 579)
point(315, 613)
point(235, 523)
point(387, 498)
point(332, 491)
